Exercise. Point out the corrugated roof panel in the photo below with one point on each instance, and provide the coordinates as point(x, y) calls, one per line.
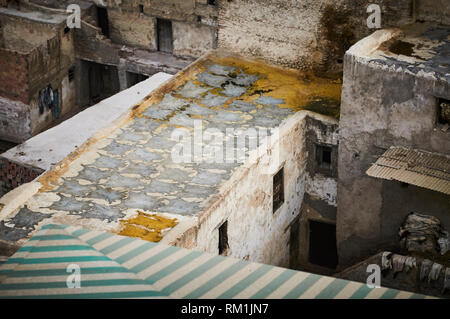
point(423, 169)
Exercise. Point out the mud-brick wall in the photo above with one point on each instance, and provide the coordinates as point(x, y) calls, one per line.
point(13, 175)
point(14, 75)
point(303, 34)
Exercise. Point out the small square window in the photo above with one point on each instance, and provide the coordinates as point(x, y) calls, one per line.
point(223, 238)
point(141, 8)
point(444, 111)
point(212, 2)
point(278, 190)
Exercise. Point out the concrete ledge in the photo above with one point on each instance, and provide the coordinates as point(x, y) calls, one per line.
point(48, 148)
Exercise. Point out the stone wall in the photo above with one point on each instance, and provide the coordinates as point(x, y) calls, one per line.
point(303, 34)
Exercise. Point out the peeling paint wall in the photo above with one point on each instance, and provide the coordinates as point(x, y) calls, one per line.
point(320, 199)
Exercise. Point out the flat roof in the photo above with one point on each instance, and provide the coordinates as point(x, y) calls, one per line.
point(121, 267)
point(53, 145)
point(36, 16)
point(127, 171)
point(417, 48)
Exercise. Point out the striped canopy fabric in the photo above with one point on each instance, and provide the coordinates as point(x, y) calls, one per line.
point(113, 266)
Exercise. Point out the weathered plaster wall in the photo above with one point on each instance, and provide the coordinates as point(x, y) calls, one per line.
point(320, 200)
point(23, 34)
point(303, 34)
point(382, 106)
point(132, 29)
point(14, 120)
point(39, 54)
point(433, 10)
point(255, 232)
point(194, 24)
point(192, 39)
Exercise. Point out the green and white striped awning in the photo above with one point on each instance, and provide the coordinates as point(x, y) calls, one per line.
point(114, 266)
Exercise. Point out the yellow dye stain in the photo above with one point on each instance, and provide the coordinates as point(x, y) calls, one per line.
point(298, 89)
point(146, 226)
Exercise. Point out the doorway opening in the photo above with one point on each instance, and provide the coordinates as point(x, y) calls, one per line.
point(164, 35)
point(223, 239)
point(322, 244)
point(103, 23)
point(135, 78)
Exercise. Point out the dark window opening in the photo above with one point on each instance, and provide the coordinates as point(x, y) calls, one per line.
point(102, 14)
point(66, 30)
point(102, 81)
point(141, 8)
point(444, 111)
point(324, 156)
point(71, 74)
point(223, 238)
point(278, 190)
point(135, 78)
point(164, 35)
point(322, 244)
point(212, 2)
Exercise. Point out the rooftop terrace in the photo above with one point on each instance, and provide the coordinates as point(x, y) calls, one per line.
point(125, 178)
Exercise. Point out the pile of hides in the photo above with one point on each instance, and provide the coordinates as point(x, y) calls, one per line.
point(429, 271)
point(423, 233)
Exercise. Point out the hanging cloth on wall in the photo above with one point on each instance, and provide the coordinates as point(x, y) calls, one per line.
point(48, 96)
point(446, 281)
point(444, 242)
point(398, 262)
point(386, 262)
point(410, 263)
point(41, 102)
point(55, 103)
point(425, 269)
point(434, 272)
